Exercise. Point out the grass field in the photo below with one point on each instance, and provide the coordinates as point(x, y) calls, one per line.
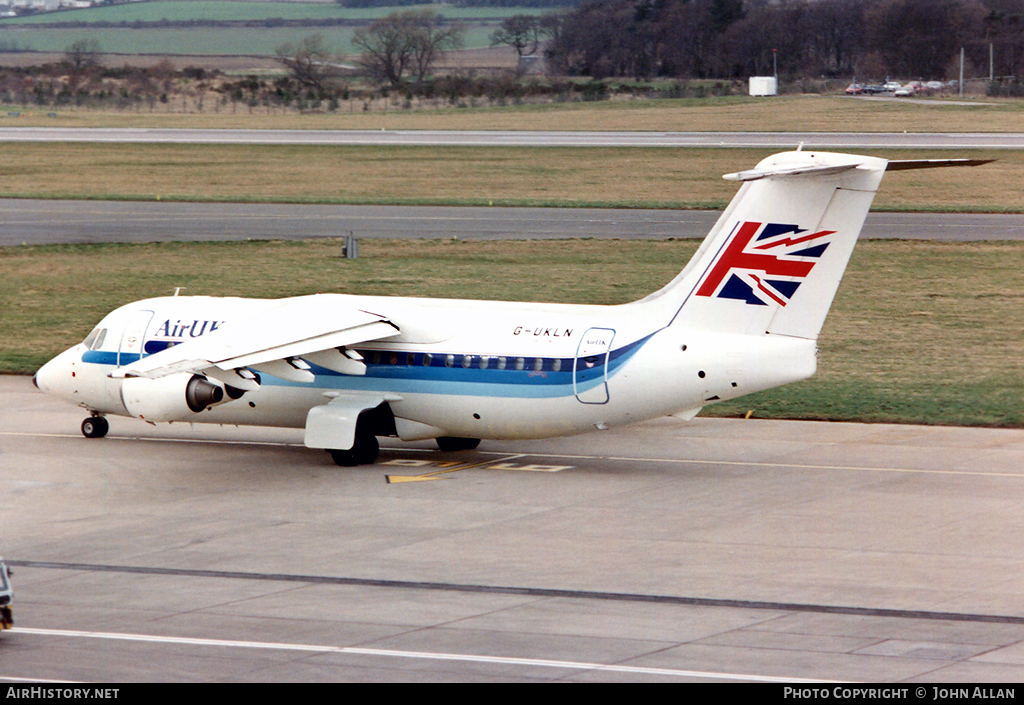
point(920, 332)
point(789, 113)
point(224, 10)
point(208, 41)
point(653, 177)
point(33, 32)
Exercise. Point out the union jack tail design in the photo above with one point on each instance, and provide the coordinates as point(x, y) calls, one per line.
point(764, 263)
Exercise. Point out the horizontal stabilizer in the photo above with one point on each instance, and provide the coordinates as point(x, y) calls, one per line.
point(800, 170)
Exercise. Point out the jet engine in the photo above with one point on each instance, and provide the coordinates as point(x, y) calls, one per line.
point(172, 398)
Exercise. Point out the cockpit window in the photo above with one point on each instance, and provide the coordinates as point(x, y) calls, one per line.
point(95, 339)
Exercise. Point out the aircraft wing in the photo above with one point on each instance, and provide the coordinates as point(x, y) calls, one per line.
point(277, 341)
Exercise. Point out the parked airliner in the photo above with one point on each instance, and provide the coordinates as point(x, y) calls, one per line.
point(742, 316)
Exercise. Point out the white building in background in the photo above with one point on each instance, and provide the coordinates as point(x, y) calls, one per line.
point(764, 85)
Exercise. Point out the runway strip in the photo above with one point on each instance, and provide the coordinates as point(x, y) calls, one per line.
point(520, 138)
point(32, 222)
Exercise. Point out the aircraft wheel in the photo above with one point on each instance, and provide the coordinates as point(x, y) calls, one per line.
point(447, 443)
point(364, 452)
point(95, 427)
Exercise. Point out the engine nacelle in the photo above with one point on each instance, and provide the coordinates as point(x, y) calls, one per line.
point(173, 398)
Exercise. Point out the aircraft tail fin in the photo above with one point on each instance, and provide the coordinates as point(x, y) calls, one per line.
point(773, 261)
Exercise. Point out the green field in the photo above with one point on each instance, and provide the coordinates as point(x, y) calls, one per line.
point(789, 113)
point(30, 33)
point(920, 332)
point(192, 41)
point(540, 176)
point(225, 10)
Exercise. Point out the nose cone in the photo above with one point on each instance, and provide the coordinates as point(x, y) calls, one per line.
point(58, 376)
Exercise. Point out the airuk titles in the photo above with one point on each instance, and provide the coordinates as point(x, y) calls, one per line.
point(183, 329)
point(543, 331)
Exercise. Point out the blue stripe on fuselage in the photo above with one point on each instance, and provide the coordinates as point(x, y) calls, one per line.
point(439, 378)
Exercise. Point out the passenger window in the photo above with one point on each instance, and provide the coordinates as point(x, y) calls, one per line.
point(427, 359)
point(520, 363)
point(410, 358)
point(556, 364)
point(538, 364)
point(467, 361)
point(485, 361)
point(501, 363)
point(449, 361)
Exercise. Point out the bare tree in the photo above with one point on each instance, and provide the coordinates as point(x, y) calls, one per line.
point(409, 41)
point(918, 38)
point(521, 32)
point(82, 54)
point(430, 40)
point(308, 63)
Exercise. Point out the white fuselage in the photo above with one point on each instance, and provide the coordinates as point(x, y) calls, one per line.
point(479, 369)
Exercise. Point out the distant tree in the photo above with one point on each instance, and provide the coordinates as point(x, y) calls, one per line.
point(833, 32)
point(431, 39)
point(82, 54)
point(308, 63)
point(724, 13)
point(918, 38)
point(549, 26)
point(521, 32)
point(405, 42)
point(1004, 28)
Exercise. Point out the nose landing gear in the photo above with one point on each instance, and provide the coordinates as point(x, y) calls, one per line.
point(95, 427)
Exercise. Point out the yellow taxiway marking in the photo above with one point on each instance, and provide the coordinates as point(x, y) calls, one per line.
point(447, 467)
point(444, 468)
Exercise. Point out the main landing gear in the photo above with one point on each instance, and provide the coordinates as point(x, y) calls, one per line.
point(449, 443)
point(366, 449)
point(95, 427)
point(363, 452)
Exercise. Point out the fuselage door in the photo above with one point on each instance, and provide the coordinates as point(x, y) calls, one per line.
point(132, 338)
point(590, 368)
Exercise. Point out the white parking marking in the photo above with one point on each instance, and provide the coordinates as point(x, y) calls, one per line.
point(426, 655)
